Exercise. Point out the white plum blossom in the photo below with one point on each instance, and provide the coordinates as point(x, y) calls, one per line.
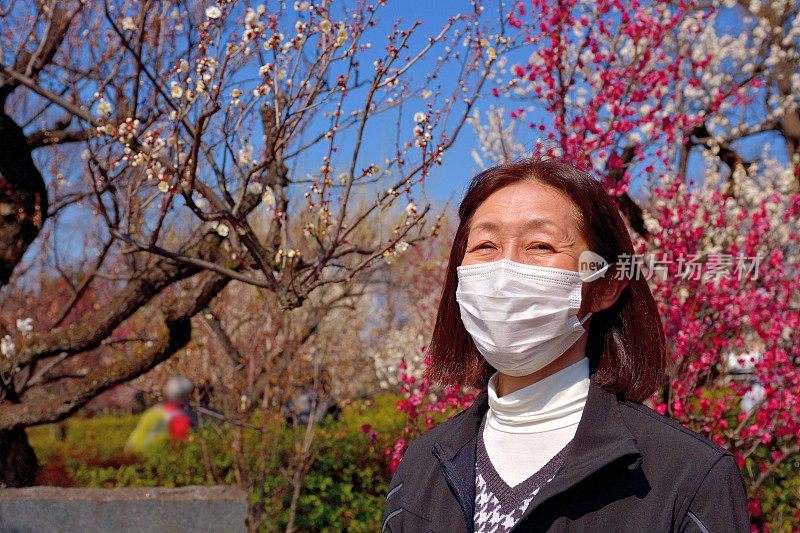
point(411, 209)
point(419, 116)
point(255, 187)
point(401, 247)
point(213, 12)
point(251, 17)
point(128, 24)
point(104, 108)
point(163, 186)
point(235, 95)
point(176, 90)
point(389, 257)
point(7, 346)
point(246, 154)
point(268, 197)
point(341, 36)
point(25, 325)
point(220, 228)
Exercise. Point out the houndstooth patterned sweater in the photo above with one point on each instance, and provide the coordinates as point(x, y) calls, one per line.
point(498, 506)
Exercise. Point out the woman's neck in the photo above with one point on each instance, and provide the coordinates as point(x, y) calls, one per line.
point(551, 403)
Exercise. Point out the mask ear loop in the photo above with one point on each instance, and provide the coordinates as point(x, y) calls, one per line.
point(594, 276)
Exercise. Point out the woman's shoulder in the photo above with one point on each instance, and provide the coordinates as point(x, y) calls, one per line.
point(703, 476)
point(423, 444)
point(658, 434)
point(448, 436)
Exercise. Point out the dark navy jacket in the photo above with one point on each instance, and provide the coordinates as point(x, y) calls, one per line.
point(628, 469)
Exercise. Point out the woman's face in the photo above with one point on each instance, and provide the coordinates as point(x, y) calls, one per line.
point(529, 223)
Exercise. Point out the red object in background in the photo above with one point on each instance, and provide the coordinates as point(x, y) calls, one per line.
point(179, 422)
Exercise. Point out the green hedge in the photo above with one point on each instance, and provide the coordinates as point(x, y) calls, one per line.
point(343, 490)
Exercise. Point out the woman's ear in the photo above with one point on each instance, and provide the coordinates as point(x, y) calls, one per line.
point(604, 292)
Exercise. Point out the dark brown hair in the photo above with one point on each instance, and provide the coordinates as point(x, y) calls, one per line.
point(626, 344)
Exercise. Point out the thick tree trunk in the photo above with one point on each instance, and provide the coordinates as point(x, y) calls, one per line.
point(23, 197)
point(18, 463)
point(23, 208)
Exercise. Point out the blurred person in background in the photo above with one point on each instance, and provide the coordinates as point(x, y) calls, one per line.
point(168, 421)
point(298, 411)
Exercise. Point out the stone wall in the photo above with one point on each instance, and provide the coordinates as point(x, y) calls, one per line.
point(45, 509)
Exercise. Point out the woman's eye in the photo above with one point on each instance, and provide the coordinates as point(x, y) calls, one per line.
point(542, 246)
point(484, 246)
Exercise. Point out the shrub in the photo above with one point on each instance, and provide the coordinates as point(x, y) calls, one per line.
point(343, 490)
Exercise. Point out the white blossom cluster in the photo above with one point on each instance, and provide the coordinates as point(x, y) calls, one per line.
point(397, 346)
point(8, 348)
point(756, 48)
point(496, 138)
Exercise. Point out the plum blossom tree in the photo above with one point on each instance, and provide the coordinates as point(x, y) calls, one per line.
point(688, 112)
point(162, 149)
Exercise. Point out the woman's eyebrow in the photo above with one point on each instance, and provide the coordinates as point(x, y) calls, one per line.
point(537, 223)
point(487, 226)
point(529, 225)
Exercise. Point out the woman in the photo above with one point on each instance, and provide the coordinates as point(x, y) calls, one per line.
point(558, 439)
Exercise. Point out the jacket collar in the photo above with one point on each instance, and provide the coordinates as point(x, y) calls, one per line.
point(601, 433)
point(602, 437)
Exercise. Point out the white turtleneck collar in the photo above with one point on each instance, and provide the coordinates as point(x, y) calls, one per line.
point(552, 403)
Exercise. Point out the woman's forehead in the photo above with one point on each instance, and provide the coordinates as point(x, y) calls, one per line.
point(526, 206)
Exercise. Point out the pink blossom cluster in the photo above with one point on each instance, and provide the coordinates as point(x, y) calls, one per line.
point(712, 327)
point(422, 401)
point(603, 73)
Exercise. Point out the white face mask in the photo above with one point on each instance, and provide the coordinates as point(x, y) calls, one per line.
point(521, 317)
